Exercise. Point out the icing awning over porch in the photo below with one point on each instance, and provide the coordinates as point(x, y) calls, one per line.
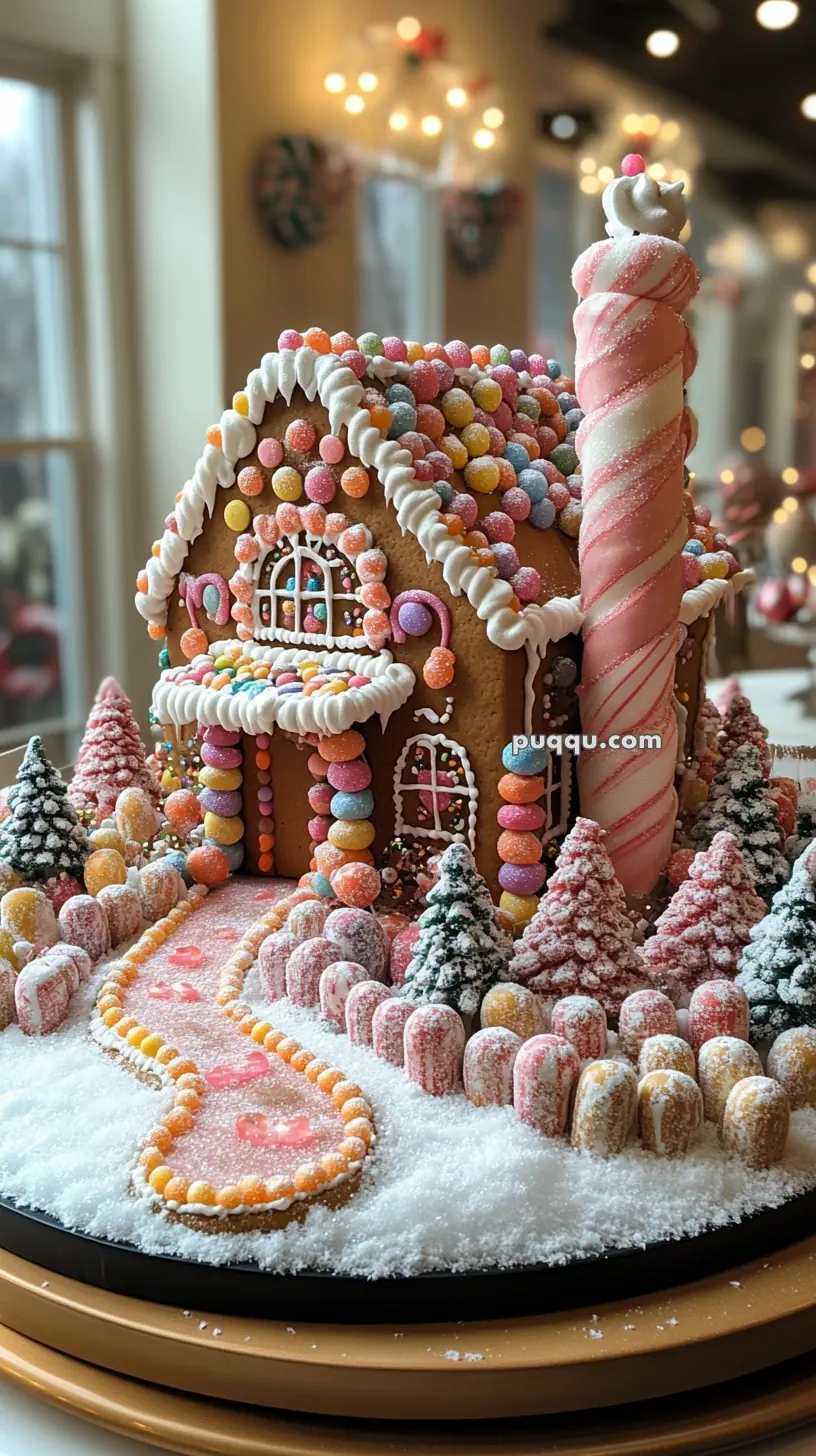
point(264, 686)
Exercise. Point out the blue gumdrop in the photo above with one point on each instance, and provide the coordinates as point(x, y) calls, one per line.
point(567, 402)
point(542, 514)
point(573, 418)
point(164, 659)
point(210, 599)
point(694, 547)
point(554, 368)
point(443, 490)
point(234, 853)
point(403, 419)
point(527, 762)
point(352, 806)
point(314, 584)
point(564, 458)
point(178, 859)
point(533, 485)
point(321, 886)
point(290, 583)
point(321, 611)
point(400, 393)
point(517, 455)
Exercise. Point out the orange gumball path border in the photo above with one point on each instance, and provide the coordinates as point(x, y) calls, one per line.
point(145, 1049)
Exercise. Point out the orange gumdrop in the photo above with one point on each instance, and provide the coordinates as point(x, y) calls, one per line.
point(142, 582)
point(414, 351)
point(375, 594)
point(318, 340)
point(266, 863)
point(380, 417)
point(156, 632)
point(517, 789)
point(341, 747)
point(480, 355)
point(438, 670)
point(519, 849)
point(355, 482)
point(194, 642)
point(430, 421)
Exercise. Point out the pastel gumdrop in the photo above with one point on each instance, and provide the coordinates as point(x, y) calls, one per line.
point(304, 968)
point(160, 888)
point(273, 955)
point(83, 922)
point(29, 916)
point(644, 1014)
point(388, 1029)
point(183, 811)
point(665, 1053)
point(358, 936)
point(402, 952)
point(724, 1061)
point(305, 921)
point(208, 865)
point(123, 911)
point(106, 838)
point(136, 817)
point(717, 1008)
point(335, 984)
point(104, 867)
point(434, 1043)
point(605, 1108)
point(756, 1121)
point(361, 1002)
point(792, 1061)
point(582, 1020)
point(487, 1070)
point(516, 1008)
point(544, 1078)
point(356, 884)
point(670, 1111)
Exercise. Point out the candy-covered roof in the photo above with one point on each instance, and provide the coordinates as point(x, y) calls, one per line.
point(506, 444)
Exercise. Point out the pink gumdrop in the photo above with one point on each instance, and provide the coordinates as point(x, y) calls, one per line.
point(498, 526)
point(270, 452)
point(331, 449)
point(507, 379)
point(444, 374)
point(459, 354)
point(581, 1020)
point(318, 828)
point(273, 955)
point(394, 349)
point(490, 1057)
point(526, 583)
point(320, 797)
point(60, 887)
point(644, 1014)
point(123, 911)
point(355, 774)
point(702, 515)
point(388, 1030)
point(300, 435)
point(506, 556)
point(82, 922)
point(320, 485)
point(544, 1076)
point(523, 817)
point(551, 473)
point(465, 507)
point(717, 1008)
point(503, 418)
point(362, 1001)
point(335, 983)
point(692, 575)
point(516, 503)
point(559, 495)
point(290, 339)
point(402, 952)
point(356, 362)
point(434, 1042)
point(304, 968)
point(441, 464)
point(316, 765)
point(632, 165)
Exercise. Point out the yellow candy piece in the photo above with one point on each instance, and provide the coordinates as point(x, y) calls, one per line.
point(170, 781)
point(240, 403)
point(521, 907)
point(287, 483)
point(487, 394)
point(712, 566)
point(458, 407)
point(222, 661)
point(351, 834)
point(482, 474)
point(476, 438)
point(135, 815)
point(236, 515)
point(107, 839)
point(223, 831)
point(28, 915)
point(7, 941)
point(455, 451)
point(225, 780)
point(104, 867)
point(307, 673)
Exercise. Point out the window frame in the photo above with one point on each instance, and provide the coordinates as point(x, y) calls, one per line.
point(469, 791)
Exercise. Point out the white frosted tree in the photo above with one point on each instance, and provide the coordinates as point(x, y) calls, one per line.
point(461, 951)
point(778, 967)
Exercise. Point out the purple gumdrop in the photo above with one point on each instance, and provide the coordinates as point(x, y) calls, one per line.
point(415, 619)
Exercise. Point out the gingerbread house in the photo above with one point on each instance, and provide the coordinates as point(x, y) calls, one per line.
point(378, 539)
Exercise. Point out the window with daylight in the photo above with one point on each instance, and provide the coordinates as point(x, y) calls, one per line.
point(435, 792)
point(307, 592)
point(40, 609)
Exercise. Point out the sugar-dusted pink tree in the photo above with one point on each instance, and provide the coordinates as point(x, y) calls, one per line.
point(741, 725)
point(580, 941)
point(111, 756)
point(707, 924)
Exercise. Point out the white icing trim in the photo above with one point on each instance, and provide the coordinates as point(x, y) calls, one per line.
point(416, 503)
point(700, 600)
point(431, 740)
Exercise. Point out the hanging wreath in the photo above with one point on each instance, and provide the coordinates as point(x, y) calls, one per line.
point(476, 220)
point(299, 186)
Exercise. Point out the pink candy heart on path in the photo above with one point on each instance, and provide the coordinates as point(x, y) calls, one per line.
point(179, 991)
point(186, 957)
point(256, 1129)
point(266, 895)
point(226, 932)
point(234, 1074)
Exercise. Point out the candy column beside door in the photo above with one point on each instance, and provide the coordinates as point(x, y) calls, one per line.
point(221, 797)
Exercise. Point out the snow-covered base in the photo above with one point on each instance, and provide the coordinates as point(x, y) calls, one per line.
point(451, 1186)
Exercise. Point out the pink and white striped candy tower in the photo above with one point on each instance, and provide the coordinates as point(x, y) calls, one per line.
point(634, 354)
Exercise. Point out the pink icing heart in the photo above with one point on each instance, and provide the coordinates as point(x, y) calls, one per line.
point(179, 991)
point(256, 1129)
point(186, 957)
point(226, 933)
point(235, 1074)
point(442, 800)
point(266, 895)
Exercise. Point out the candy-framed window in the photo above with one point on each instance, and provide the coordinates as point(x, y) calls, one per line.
point(269, 593)
point(468, 791)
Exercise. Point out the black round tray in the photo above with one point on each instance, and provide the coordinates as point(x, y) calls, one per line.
point(244, 1289)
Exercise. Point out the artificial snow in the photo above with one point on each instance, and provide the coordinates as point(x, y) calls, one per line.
point(449, 1185)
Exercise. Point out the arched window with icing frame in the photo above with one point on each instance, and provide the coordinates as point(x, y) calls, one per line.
point(435, 793)
point(298, 588)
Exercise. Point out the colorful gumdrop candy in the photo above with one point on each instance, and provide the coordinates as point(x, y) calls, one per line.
point(359, 937)
point(487, 1069)
point(9, 878)
point(208, 865)
point(123, 911)
point(60, 888)
point(605, 1108)
point(104, 867)
point(717, 1008)
point(29, 917)
point(644, 1014)
point(434, 1042)
point(582, 1020)
point(273, 955)
point(666, 1053)
point(107, 838)
point(670, 1111)
point(160, 888)
point(388, 1030)
point(362, 1001)
point(724, 1061)
point(136, 817)
point(402, 952)
point(304, 968)
point(356, 884)
point(8, 980)
point(183, 811)
point(82, 921)
point(335, 983)
point(792, 1061)
point(756, 1121)
point(544, 1077)
point(307, 920)
point(514, 1007)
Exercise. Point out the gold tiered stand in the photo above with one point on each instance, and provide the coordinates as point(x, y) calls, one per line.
point(608, 1379)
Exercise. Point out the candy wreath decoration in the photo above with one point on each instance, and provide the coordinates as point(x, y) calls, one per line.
point(299, 186)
